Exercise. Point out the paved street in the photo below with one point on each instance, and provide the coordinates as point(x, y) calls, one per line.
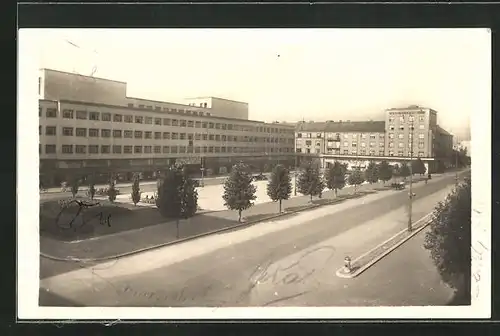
point(216, 272)
point(406, 277)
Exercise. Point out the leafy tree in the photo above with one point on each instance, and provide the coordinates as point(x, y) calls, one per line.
point(396, 171)
point(239, 192)
point(279, 187)
point(356, 178)
point(449, 240)
point(418, 167)
point(177, 196)
point(136, 190)
point(169, 198)
point(371, 173)
point(91, 191)
point(75, 185)
point(310, 181)
point(112, 192)
point(189, 197)
point(404, 170)
point(384, 171)
point(335, 176)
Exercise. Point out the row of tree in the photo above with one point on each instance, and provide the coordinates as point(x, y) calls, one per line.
point(239, 191)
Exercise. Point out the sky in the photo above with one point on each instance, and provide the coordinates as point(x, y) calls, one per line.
point(290, 74)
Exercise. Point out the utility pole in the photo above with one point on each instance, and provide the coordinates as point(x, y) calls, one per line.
point(410, 196)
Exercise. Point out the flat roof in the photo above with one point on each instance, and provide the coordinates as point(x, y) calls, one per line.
point(167, 112)
point(211, 97)
point(76, 74)
point(166, 102)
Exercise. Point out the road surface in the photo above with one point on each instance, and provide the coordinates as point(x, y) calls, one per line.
point(263, 270)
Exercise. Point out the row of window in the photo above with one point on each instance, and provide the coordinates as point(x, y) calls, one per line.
point(173, 110)
point(421, 144)
point(401, 153)
point(346, 144)
point(98, 116)
point(108, 133)
point(117, 149)
point(401, 136)
point(411, 118)
point(337, 151)
point(402, 128)
point(402, 145)
point(337, 135)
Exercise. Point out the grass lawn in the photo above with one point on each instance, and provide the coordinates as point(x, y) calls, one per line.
point(71, 221)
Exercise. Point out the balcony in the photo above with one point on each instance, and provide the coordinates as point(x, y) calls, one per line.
point(336, 139)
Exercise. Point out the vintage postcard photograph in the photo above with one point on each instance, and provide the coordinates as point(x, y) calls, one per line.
point(254, 173)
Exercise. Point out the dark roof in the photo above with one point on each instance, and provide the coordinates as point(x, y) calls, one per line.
point(342, 126)
point(443, 131)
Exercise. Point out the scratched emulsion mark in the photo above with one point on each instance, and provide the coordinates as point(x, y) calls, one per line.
point(66, 219)
point(478, 249)
point(278, 281)
point(293, 272)
point(183, 297)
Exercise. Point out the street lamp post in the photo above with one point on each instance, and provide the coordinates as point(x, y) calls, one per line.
point(410, 196)
point(202, 169)
point(295, 176)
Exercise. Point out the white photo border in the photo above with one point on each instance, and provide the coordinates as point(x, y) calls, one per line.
point(28, 245)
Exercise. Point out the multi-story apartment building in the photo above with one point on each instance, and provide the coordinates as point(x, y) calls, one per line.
point(341, 138)
point(81, 135)
point(406, 133)
point(411, 131)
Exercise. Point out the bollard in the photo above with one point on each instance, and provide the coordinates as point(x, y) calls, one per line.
point(347, 264)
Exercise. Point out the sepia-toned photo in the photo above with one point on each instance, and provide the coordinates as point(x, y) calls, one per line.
point(233, 171)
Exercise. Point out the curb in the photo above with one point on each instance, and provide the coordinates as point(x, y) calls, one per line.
point(360, 270)
point(183, 240)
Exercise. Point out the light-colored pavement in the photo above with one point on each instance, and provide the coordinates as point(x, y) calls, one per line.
point(210, 197)
point(215, 271)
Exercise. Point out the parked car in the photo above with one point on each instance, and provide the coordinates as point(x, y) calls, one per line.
point(260, 177)
point(398, 185)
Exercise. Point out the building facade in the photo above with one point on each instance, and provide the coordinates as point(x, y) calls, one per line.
point(126, 135)
point(405, 134)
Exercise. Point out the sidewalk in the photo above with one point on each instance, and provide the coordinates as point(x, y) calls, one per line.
point(134, 240)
